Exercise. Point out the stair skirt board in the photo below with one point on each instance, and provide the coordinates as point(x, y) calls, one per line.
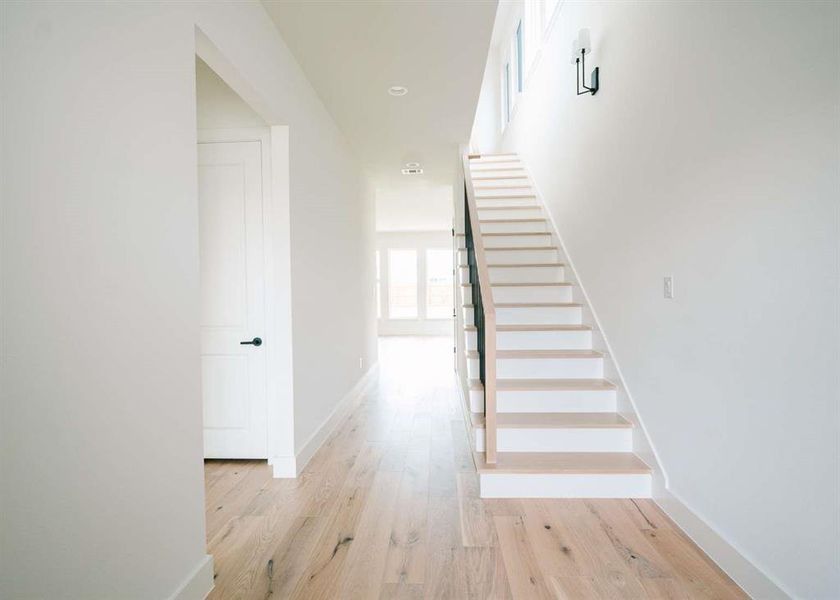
point(547, 401)
point(575, 485)
point(556, 439)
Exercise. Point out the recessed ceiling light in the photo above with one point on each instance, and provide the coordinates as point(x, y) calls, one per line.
point(397, 90)
point(412, 165)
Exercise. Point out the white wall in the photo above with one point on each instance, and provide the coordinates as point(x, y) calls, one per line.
point(709, 154)
point(420, 207)
point(100, 421)
point(218, 106)
point(485, 132)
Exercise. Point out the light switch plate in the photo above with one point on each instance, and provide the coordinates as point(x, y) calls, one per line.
point(668, 287)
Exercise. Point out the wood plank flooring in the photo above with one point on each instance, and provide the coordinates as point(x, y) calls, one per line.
point(389, 508)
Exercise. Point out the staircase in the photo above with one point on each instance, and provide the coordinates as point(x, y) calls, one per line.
point(555, 429)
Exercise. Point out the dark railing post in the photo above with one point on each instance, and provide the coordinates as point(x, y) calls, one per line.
point(478, 307)
point(484, 311)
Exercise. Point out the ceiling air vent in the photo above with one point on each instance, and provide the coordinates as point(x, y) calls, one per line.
point(412, 171)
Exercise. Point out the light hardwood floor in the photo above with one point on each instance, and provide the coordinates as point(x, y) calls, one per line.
point(389, 508)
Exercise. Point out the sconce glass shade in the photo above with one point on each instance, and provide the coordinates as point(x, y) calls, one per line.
point(575, 51)
point(584, 43)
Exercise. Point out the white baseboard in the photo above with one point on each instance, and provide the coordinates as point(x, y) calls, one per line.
point(744, 572)
point(310, 447)
point(198, 584)
point(284, 467)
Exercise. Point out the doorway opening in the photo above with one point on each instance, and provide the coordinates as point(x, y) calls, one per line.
point(232, 190)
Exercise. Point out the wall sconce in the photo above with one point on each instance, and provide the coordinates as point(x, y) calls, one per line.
point(580, 48)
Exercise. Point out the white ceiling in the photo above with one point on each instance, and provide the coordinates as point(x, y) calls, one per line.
point(353, 51)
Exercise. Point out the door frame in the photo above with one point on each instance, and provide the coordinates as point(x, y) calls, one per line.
point(274, 151)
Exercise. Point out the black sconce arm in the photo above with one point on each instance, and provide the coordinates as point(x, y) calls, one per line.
point(593, 87)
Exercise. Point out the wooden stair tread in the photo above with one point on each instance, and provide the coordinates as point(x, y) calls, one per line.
point(547, 385)
point(532, 305)
point(501, 187)
point(519, 167)
point(514, 233)
point(542, 327)
point(506, 197)
point(535, 327)
point(519, 248)
point(528, 354)
point(528, 220)
point(563, 463)
point(532, 284)
point(497, 177)
point(518, 265)
point(554, 420)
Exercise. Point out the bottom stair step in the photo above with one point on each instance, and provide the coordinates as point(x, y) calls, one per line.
point(557, 432)
point(564, 475)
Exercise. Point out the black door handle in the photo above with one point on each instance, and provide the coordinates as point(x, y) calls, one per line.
point(254, 342)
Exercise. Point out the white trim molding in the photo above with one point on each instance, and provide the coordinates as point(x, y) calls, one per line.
point(742, 570)
point(198, 584)
point(292, 466)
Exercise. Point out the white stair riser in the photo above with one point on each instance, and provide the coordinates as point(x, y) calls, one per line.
point(514, 197)
point(479, 167)
point(577, 439)
point(477, 401)
point(503, 189)
point(516, 241)
point(487, 158)
point(535, 293)
point(526, 485)
point(539, 315)
point(527, 274)
point(536, 340)
point(514, 226)
point(493, 171)
point(519, 274)
point(543, 368)
point(514, 257)
point(547, 401)
point(524, 212)
point(539, 401)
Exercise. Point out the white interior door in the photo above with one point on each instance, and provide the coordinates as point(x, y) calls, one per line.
point(233, 378)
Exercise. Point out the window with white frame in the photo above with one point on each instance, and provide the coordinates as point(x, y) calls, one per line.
point(519, 55)
point(378, 286)
point(439, 301)
point(402, 283)
point(520, 59)
point(506, 104)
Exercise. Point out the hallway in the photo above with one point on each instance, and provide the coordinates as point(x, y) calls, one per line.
point(389, 508)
